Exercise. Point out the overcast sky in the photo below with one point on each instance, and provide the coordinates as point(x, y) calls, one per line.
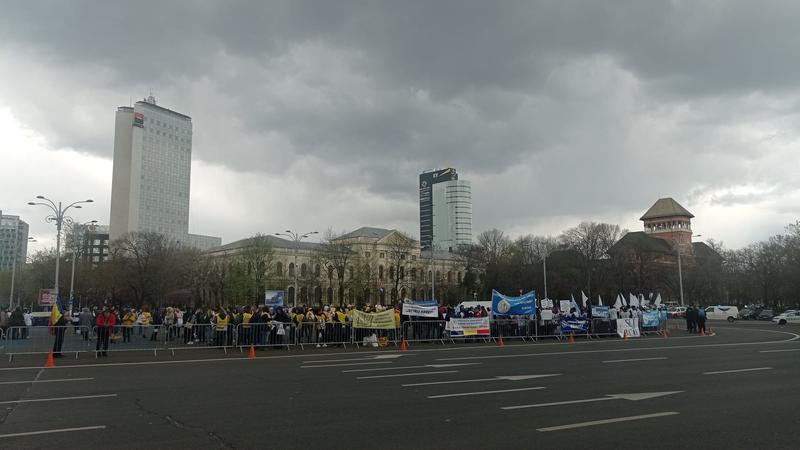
point(316, 115)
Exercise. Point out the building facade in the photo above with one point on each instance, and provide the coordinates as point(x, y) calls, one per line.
point(13, 241)
point(95, 244)
point(380, 266)
point(152, 173)
point(445, 210)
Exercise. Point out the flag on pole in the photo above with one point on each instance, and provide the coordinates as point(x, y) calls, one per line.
point(599, 301)
point(583, 299)
point(56, 312)
point(658, 300)
point(618, 303)
point(633, 301)
point(574, 304)
point(622, 299)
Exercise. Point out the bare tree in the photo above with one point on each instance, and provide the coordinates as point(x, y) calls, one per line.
point(399, 246)
point(337, 255)
point(592, 241)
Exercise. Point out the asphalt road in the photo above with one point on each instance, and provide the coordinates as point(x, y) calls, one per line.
point(737, 388)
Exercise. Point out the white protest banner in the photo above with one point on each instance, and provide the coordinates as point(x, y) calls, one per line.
point(628, 327)
point(547, 303)
point(475, 326)
point(546, 314)
point(420, 311)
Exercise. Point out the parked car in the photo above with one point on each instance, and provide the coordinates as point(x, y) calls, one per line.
point(677, 312)
point(790, 316)
point(722, 312)
point(765, 314)
point(749, 313)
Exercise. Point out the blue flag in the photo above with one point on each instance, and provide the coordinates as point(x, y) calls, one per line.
point(503, 305)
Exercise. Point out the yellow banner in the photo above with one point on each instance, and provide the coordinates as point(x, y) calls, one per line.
point(383, 320)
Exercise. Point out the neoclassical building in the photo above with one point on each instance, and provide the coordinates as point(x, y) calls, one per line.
point(378, 266)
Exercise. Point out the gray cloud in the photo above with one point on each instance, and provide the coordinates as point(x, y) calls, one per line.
point(554, 109)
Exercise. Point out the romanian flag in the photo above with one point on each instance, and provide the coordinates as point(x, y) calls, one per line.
point(57, 312)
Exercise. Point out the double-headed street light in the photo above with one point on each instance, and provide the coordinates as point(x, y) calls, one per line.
point(296, 237)
point(58, 217)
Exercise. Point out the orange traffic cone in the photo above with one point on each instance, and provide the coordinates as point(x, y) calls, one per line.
point(571, 339)
point(50, 362)
point(500, 343)
point(252, 353)
point(403, 347)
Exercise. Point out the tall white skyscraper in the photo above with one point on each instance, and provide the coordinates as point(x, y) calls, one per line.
point(445, 210)
point(152, 171)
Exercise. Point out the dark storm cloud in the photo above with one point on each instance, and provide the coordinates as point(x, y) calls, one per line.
point(588, 97)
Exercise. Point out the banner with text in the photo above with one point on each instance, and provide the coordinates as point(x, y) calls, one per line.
point(600, 312)
point(420, 310)
point(383, 320)
point(650, 319)
point(475, 326)
point(574, 325)
point(628, 327)
point(503, 305)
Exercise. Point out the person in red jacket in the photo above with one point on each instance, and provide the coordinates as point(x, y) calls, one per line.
point(105, 326)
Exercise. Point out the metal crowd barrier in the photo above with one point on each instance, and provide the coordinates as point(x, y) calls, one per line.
point(425, 331)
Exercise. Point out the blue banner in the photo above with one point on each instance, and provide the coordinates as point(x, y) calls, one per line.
point(650, 319)
point(425, 302)
point(573, 324)
point(503, 305)
point(600, 312)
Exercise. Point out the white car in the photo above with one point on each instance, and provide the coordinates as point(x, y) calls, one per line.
point(791, 316)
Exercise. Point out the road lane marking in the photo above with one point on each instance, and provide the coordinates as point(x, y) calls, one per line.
point(406, 374)
point(737, 370)
point(606, 421)
point(46, 381)
point(631, 360)
point(464, 394)
point(34, 400)
point(370, 358)
point(784, 350)
point(433, 366)
point(499, 378)
point(636, 396)
point(58, 430)
point(346, 364)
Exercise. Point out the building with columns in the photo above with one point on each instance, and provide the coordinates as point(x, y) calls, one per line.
point(379, 266)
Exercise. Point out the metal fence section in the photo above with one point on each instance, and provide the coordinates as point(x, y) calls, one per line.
point(425, 331)
point(42, 340)
point(513, 328)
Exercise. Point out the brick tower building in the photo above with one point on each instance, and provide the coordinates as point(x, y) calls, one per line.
point(670, 221)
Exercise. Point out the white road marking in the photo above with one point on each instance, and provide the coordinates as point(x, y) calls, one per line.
point(508, 378)
point(606, 421)
point(633, 396)
point(434, 366)
point(346, 364)
point(46, 381)
point(58, 430)
point(464, 394)
point(737, 370)
point(406, 374)
point(784, 350)
point(631, 360)
point(34, 400)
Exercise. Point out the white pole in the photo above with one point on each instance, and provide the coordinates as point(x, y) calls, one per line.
point(59, 219)
point(680, 275)
point(544, 268)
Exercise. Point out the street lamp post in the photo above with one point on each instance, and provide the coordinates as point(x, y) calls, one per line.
point(680, 270)
point(14, 269)
point(296, 237)
point(58, 217)
point(74, 257)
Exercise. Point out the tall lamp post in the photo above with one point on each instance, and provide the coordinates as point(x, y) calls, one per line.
point(14, 270)
point(296, 237)
point(58, 217)
point(75, 229)
point(680, 270)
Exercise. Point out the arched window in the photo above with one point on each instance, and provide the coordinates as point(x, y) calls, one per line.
point(304, 295)
point(317, 271)
point(278, 269)
point(391, 272)
point(303, 269)
point(291, 294)
point(380, 273)
point(318, 295)
point(430, 275)
point(394, 295)
point(414, 294)
point(449, 276)
point(438, 276)
point(291, 269)
point(403, 294)
point(402, 273)
point(413, 274)
point(330, 295)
